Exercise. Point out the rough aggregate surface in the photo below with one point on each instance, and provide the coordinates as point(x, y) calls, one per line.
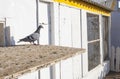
point(15, 59)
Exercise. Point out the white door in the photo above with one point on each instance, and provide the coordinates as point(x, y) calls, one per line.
point(70, 31)
point(65, 26)
point(76, 27)
point(44, 17)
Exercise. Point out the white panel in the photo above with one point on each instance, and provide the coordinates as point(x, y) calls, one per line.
point(57, 70)
point(55, 19)
point(77, 71)
point(76, 30)
point(67, 69)
point(45, 73)
point(84, 42)
point(101, 39)
point(65, 26)
point(44, 18)
point(32, 75)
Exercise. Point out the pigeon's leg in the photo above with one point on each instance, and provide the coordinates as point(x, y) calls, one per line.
point(38, 42)
point(30, 42)
point(34, 43)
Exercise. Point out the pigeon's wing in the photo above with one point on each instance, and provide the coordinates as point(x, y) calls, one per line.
point(35, 36)
point(29, 38)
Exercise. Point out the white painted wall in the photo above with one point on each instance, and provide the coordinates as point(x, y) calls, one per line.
point(69, 27)
point(33, 75)
point(45, 73)
point(20, 16)
point(78, 38)
point(69, 68)
point(65, 26)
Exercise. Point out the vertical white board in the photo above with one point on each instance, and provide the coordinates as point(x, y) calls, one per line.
point(77, 71)
point(76, 28)
point(65, 26)
point(55, 23)
point(32, 75)
point(84, 42)
point(57, 70)
point(44, 17)
point(45, 73)
point(67, 69)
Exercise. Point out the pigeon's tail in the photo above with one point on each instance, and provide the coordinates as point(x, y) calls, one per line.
point(19, 41)
point(24, 39)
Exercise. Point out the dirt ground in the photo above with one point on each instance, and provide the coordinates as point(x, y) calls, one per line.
point(113, 75)
point(18, 59)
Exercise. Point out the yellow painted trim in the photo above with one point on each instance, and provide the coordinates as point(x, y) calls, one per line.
point(86, 6)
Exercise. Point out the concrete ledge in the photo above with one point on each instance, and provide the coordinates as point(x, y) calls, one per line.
point(17, 60)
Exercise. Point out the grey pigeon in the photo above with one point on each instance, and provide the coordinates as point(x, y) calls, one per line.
point(32, 37)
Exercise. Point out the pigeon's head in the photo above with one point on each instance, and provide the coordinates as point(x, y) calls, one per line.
point(40, 26)
point(38, 29)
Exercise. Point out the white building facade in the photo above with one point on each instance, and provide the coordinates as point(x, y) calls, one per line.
point(66, 25)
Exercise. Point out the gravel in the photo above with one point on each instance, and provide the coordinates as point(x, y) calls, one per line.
point(20, 59)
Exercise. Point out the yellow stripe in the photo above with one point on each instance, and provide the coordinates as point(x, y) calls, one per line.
point(84, 5)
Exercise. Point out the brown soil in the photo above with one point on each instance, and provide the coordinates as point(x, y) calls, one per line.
point(17, 60)
point(113, 75)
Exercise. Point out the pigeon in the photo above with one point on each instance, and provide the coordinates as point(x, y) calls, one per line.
point(32, 37)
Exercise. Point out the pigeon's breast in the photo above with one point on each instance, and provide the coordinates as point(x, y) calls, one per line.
point(36, 36)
